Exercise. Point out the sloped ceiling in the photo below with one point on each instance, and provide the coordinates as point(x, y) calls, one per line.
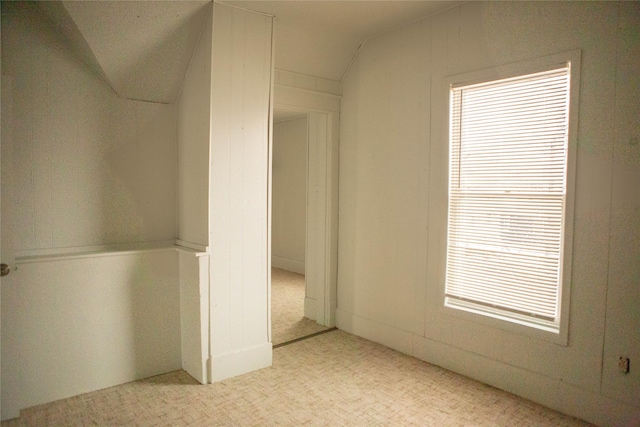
point(142, 49)
point(320, 38)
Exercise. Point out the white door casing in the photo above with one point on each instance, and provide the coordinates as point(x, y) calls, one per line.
point(322, 196)
point(7, 283)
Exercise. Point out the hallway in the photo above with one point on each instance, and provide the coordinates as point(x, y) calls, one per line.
point(287, 308)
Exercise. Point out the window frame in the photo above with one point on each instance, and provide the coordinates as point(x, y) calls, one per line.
point(561, 336)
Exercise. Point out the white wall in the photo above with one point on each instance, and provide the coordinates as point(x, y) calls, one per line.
point(91, 168)
point(194, 112)
point(76, 325)
point(238, 223)
point(393, 201)
point(194, 313)
point(289, 211)
point(623, 290)
point(81, 168)
point(194, 123)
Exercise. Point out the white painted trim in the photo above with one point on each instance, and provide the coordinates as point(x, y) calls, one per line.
point(287, 264)
point(302, 116)
point(317, 239)
point(57, 254)
point(328, 106)
point(240, 362)
point(551, 392)
point(210, 224)
point(80, 252)
point(189, 245)
point(331, 247)
point(309, 100)
point(304, 81)
point(270, 123)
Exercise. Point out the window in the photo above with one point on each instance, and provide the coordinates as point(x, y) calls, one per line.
point(508, 227)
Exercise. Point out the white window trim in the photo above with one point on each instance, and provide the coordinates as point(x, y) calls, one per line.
point(560, 337)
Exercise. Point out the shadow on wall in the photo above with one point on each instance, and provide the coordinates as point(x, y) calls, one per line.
point(77, 325)
point(86, 168)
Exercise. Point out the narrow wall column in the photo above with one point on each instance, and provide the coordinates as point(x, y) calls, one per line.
point(238, 213)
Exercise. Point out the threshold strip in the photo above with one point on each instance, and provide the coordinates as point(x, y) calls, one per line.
point(315, 334)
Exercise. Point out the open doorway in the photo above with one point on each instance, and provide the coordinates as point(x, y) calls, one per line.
point(290, 205)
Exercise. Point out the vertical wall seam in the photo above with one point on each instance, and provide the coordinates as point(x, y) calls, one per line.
point(270, 176)
point(423, 328)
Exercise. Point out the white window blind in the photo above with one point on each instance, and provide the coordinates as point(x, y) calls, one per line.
point(507, 190)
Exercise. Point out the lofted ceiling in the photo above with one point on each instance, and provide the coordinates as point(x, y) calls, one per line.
point(142, 49)
point(321, 38)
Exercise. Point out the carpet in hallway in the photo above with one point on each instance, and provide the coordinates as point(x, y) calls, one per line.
point(287, 308)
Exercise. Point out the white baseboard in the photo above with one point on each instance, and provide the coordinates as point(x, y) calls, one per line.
point(550, 392)
point(388, 336)
point(287, 264)
point(240, 362)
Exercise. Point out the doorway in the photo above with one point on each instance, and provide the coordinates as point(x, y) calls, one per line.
point(322, 111)
point(292, 296)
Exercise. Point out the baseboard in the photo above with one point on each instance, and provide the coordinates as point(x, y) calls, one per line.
point(240, 362)
point(288, 264)
point(550, 392)
point(388, 336)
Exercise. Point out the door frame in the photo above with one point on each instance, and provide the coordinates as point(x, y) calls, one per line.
point(321, 259)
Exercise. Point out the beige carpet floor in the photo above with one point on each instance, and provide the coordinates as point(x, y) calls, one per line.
point(287, 308)
point(334, 379)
